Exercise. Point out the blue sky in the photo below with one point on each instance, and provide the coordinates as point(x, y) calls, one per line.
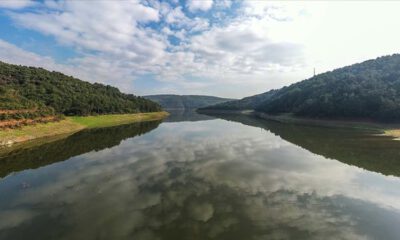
point(223, 48)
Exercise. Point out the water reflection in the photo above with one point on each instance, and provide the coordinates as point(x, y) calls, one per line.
point(200, 180)
point(85, 141)
point(76, 144)
point(362, 148)
point(186, 115)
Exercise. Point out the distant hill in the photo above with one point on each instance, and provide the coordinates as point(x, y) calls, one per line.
point(185, 101)
point(26, 91)
point(367, 90)
point(247, 103)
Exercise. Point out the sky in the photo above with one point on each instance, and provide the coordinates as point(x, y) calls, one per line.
point(209, 47)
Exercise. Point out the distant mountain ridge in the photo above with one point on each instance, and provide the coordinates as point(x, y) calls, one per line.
point(172, 101)
point(367, 90)
point(247, 103)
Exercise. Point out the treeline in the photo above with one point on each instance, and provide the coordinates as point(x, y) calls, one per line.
point(368, 90)
point(30, 87)
point(172, 101)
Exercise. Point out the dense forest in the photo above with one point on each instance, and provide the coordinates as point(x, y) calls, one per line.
point(31, 90)
point(367, 90)
point(171, 101)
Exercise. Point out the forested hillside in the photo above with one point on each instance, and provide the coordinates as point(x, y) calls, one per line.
point(367, 90)
point(185, 101)
point(245, 103)
point(29, 88)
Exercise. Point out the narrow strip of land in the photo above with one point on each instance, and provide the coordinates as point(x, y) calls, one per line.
point(393, 133)
point(70, 125)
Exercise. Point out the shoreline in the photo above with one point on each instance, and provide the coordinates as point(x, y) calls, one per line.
point(385, 129)
point(71, 125)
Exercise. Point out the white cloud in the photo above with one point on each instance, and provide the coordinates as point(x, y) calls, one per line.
point(224, 3)
point(245, 42)
point(176, 15)
point(115, 47)
point(16, 4)
point(12, 54)
point(87, 68)
point(117, 33)
point(202, 5)
point(266, 45)
point(178, 18)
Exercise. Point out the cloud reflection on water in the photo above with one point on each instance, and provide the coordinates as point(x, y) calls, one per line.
point(203, 180)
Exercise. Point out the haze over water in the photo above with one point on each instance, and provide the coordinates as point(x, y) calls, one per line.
point(206, 179)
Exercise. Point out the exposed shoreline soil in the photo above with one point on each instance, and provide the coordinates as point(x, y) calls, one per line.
point(69, 125)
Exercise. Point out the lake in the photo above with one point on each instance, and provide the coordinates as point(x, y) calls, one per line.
point(203, 177)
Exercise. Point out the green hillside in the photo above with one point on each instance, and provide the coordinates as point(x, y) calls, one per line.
point(185, 101)
point(27, 88)
point(367, 90)
point(14, 106)
point(243, 104)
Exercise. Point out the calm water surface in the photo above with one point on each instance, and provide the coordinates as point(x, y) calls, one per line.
point(206, 178)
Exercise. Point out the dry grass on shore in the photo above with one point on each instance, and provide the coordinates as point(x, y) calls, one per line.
point(393, 133)
point(72, 124)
